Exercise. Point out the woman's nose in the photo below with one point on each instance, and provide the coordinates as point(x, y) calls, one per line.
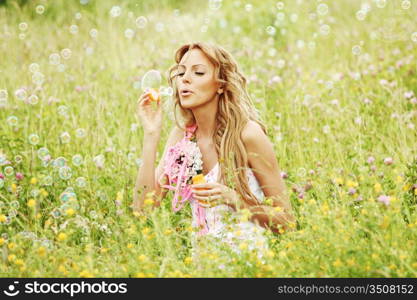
point(186, 77)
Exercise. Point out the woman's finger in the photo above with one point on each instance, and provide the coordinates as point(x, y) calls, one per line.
point(209, 192)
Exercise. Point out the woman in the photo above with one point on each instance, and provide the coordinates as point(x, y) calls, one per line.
point(210, 94)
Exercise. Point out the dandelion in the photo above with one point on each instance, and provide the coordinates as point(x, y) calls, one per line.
point(62, 236)
point(41, 251)
point(31, 203)
point(377, 187)
point(33, 180)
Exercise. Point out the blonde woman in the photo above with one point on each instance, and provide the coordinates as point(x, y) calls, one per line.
point(239, 163)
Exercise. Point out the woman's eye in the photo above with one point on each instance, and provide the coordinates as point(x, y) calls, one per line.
point(180, 74)
point(199, 73)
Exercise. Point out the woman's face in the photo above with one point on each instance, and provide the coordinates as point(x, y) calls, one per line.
point(195, 79)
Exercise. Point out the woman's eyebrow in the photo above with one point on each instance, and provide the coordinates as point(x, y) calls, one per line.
point(192, 65)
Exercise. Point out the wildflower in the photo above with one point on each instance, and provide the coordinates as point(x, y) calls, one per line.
point(243, 246)
point(41, 251)
point(284, 175)
point(337, 263)
point(384, 199)
point(352, 191)
point(44, 192)
point(140, 275)
point(148, 202)
point(86, 274)
point(339, 181)
point(14, 187)
point(2, 218)
point(70, 211)
point(11, 246)
point(1, 241)
point(33, 180)
point(129, 246)
point(371, 159)
point(388, 161)
point(62, 236)
point(188, 260)
point(142, 258)
point(19, 176)
point(351, 183)
point(11, 257)
point(31, 203)
point(377, 187)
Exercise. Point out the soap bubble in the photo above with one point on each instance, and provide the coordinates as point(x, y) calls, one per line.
point(215, 4)
point(12, 121)
point(33, 67)
point(151, 80)
point(33, 99)
point(8, 171)
point(20, 94)
point(356, 50)
point(115, 11)
point(56, 213)
point(65, 137)
point(73, 29)
point(93, 33)
point(66, 53)
point(67, 196)
point(381, 3)
point(65, 172)
point(322, 9)
point(81, 182)
point(34, 192)
point(406, 4)
point(54, 59)
point(141, 22)
point(18, 159)
point(271, 30)
point(42, 153)
point(59, 162)
point(38, 78)
point(33, 139)
point(23, 26)
point(80, 133)
point(47, 180)
point(40, 9)
point(77, 160)
point(129, 33)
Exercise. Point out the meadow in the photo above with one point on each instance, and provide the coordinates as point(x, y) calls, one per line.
point(334, 81)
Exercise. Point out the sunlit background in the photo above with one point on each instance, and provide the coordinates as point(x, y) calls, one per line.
point(334, 81)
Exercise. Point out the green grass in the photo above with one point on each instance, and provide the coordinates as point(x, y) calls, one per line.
point(317, 118)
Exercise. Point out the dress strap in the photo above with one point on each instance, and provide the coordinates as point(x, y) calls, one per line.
point(189, 130)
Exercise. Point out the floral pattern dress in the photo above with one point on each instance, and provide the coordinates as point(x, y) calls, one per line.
point(223, 222)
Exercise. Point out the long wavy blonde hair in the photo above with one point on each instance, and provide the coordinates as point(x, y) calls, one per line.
point(235, 109)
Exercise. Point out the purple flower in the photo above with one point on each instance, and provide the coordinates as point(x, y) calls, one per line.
point(352, 191)
point(284, 175)
point(388, 161)
point(409, 94)
point(301, 196)
point(19, 176)
point(384, 199)
point(1, 176)
point(371, 159)
point(373, 168)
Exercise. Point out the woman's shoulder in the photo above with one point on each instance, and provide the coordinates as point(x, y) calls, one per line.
point(252, 131)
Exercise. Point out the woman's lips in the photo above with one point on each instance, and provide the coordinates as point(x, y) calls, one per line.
point(187, 93)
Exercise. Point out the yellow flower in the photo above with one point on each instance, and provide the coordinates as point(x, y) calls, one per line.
point(44, 192)
point(270, 254)
point(41, 251)
point(339, 181)
point(351, 183)
point(33, 180)
point(11, 245)
point(188, 260)
point(377, 187)
point(1, 241)
point(142, 258)
point(268, 201)
point(70, 211)
point(19, 262)
point(399, 179)
point(11, 257)
point(62, 236)
point(148, 201)
point(243, 246)
point(2, 218)
point(119, 196)
point(146, 230)
point(14, 187)
point(140, 275)
point(351, 262)
point(337, 263)
point(62, 269)
point(278, 209)
point(86, 274)
point(31, 203)
point(103, 250)
point(130, 246)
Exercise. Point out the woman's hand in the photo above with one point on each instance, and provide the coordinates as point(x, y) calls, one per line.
point(149, 116)
point(212, 194)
